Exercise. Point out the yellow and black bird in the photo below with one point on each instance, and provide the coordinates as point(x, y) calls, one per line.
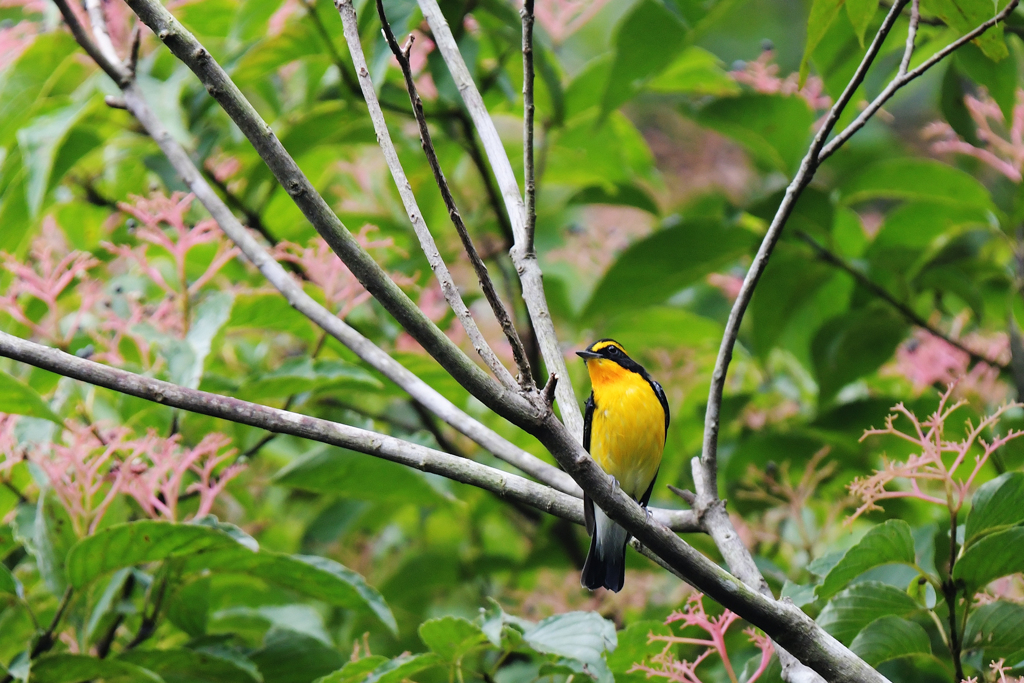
point(624, 430)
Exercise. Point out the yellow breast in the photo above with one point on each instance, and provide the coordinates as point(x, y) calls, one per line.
point(627, 433)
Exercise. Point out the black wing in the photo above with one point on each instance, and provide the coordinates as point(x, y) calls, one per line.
point(588, 505)
point(660, 393)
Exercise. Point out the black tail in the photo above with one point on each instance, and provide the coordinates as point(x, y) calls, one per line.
point(605, 565)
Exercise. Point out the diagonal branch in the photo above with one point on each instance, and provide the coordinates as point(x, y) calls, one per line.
point(348, 16)
point(185, 47)
point(911, 316)
point(293, 292)
point(427, 244)
point(526, 263)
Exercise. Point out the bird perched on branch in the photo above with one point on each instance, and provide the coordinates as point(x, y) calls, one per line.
point(624, 430)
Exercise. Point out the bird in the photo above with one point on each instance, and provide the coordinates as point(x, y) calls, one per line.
point(624, 430)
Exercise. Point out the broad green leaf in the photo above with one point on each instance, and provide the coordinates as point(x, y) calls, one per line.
point(54, 536)
point(354, 672)
point(301, 618)
point(916, 179)
point(209, 18)
point(645, 42)
point(823, 13)
point(664, 327)
point(342, 472)
point(890, 638)
point(126, 545)
point(319, 578)
point(185, 359)
point(695, 71)
point(108, 607)
point(996, 628)
point(851, 610)
point(290, 657)
point(886, 543)
point(178, 665)
point(451, 637)
point(786, 289)
point(9, 584)
point(593, 151)
point(853, 345)
point(22, 83)
point(999, 78)
point(70, 668)
point(634, 646)
point(402, 667)
point(861, 12)
point(269, 312)
point(584, 636)
point(17, 398)
point(189, 607)
point(996, 505)
point(966, 15)
point(775, 129)
point(623, 194)
point(916, 225)
point(297, 40)
point(39, 143)
point(655, 268)
point(298, 375)
point(990, 557)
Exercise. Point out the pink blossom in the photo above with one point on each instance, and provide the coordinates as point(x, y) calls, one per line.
point(926, 473)
point(1003, 148)
point(666, 665)
point(10, 453)
point(729, 285)
point(50, 270)
point(15, 39)
point(927, 360)
point(762, 75)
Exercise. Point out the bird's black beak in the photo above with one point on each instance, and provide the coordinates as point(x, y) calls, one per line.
point(586, 355)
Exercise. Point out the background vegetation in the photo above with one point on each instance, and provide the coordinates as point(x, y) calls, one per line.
point(666, 133)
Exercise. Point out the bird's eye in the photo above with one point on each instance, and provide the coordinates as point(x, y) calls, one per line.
point(614, 351)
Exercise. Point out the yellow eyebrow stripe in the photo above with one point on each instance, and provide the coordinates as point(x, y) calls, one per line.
point(605, 344)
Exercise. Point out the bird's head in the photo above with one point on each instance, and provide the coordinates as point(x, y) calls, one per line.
point(607, 361)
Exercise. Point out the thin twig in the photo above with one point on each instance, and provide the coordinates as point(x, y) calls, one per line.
point(912, 317)
point(426, 240)
point(486, 284)
point(529, 173)
point(526, 264)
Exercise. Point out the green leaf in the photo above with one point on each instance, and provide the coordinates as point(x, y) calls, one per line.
point(996, 505)
point(853, 345)
point(354, 672)
point(39, 145)
point(996, 628)
point(655, 268)
point(886, 543)
point(773, 128)
point(964, 16)
point(9, 583)
point(890, 638)
point(69, 668)
point(861, 12)
point(593, 151)
point(823, 13)
point(584, 636)
point(623, 194)
point(400, 668)
point(54, 536)
point(451, 637)
point(189, 607)
point(297, 375)
point(290, 657)
point(999, 78)
point(185, 359)
point(17, 398)
point(854, 608)
point(646, 41)
point(341, 472)
point(178, 665)
point(269, 312)
point(916, 179)
point(990, 557)
point(634, 646)
point(126, 545)
point(695, 71)
point(109, 607)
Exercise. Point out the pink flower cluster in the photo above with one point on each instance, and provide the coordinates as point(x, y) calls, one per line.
point(999, 672)
point(927, 360)
point(562, 18)
point(666, 665)
point(91, 466)
point(928, 469)
point(762, 75)
point(1003, 148)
